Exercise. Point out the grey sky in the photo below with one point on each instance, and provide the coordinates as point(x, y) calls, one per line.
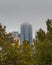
point(15, 12)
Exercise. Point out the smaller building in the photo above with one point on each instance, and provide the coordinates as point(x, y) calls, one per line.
point(16, 36)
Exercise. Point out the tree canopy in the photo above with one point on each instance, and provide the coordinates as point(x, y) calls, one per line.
point(38, 54)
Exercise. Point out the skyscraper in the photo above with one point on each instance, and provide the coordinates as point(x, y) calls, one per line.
point(26, 33)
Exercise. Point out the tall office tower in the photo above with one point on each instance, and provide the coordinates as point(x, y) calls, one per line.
point(26, 33)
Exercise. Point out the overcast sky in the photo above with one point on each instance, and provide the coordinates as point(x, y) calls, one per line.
point(14, 12)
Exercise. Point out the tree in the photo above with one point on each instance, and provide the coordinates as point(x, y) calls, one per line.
point(49, 25)
point(43, 53)
point(5, 43)
point(43, 46)
point(49, 30)
point(40, 35)
point(26, 54)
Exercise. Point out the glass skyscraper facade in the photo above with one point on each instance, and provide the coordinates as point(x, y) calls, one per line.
point(26, 33)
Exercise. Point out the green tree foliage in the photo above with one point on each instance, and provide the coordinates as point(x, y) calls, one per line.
point(5, 42)
point(49, 25)
point(38, 54)
point(43, 53)
point(43, 46)
point(26, 51)
point(40, 35)
point(49, 30)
